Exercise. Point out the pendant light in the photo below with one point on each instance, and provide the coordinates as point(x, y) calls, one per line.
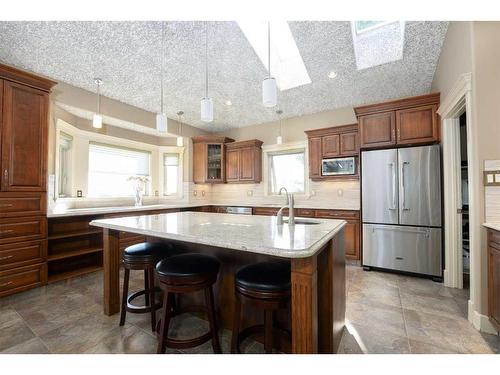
point(97, 118)
point(180, 140)
point(207, 105)
point(269, 88)
point(161, 117)
point(279, 138)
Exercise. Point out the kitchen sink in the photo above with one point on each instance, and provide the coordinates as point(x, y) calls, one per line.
point(304, 222)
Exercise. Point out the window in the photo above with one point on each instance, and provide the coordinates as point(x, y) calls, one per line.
point(171, 174)
point(287, 169)
point(65, 152)
point(110, 168)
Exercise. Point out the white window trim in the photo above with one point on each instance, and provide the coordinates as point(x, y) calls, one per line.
point(291, 146)
point(161, 173)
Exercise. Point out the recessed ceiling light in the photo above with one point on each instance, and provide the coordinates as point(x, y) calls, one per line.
point(332, 74)
point(286, 62)
point(228, 102)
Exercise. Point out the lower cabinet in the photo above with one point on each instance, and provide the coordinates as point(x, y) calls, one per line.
point(494, 277)
point(351, 230)
point(22, 278)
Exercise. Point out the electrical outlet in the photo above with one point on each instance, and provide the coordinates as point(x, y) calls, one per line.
point(157, 193)
point(340, 192)
point(195, 193)
point(249, 193)
point(203, 193)
point(313, 193)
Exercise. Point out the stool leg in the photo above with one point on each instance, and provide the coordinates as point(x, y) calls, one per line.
point(146, 286)
point(268, 331)
point(236, 326)
point(209, 301)
point(124, 296)
point(151, 285)
point(165, 322)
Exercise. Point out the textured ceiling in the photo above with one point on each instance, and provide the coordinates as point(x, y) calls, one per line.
point(127, 56)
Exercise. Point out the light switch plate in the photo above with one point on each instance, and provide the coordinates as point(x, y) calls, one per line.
point(491, 178)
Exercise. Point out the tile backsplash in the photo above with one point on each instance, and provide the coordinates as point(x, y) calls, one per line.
point(492, 194)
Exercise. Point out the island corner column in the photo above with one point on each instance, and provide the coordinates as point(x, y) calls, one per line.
point(111, 265)
point(304, 279)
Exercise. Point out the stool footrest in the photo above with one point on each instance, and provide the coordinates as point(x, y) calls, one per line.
point(259, 329)
point(141, 309)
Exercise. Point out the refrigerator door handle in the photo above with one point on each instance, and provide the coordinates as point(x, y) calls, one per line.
point(404, 208)
point(393, 170)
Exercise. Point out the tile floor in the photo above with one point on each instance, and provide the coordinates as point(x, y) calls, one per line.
point(386, 313)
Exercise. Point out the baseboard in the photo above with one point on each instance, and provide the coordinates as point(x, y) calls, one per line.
point(480, 322)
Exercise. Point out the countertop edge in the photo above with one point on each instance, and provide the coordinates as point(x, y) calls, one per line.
point(494, 226)
point(305, 253)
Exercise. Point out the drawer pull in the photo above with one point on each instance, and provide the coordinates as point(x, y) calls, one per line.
point(5, 284)
point(7, 257)
point(6, 231)
point(6, 205)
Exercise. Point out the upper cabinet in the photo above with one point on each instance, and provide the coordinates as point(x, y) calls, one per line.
point(244, 161)
point(331, 143)
point(209, 159)
point(24, 102)
point(409, 121)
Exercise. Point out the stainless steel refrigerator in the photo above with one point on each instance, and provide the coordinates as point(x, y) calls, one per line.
point(401, 209)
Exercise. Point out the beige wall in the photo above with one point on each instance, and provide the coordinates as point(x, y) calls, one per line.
point(475, 47)
point(293, 128)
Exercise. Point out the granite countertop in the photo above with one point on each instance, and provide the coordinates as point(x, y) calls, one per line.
point(494, 226)
point(66, 212)
point(255, 234)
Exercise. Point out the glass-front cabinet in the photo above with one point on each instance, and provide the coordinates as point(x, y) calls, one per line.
point(209, 159)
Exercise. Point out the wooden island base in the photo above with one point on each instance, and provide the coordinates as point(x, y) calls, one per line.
point(317, 309)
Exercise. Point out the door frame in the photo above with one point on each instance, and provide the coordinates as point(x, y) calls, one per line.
point(458, 101)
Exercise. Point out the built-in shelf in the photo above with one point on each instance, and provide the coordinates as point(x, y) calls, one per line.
point(73, 253)
point(75, 233)
point(73, 273)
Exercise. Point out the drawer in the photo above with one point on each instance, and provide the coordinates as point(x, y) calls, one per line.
point(22, 229)
point(22, 253)
point(494, 237)
point(337, 214)
point(22, 278)
point(25, 204)
point(305, 212)
point(267, 211)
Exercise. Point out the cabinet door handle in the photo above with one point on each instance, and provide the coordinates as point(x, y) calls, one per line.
point(6, 205)
point(7, 257)
point(5, 177)
point(6, 231)
point(5, 284)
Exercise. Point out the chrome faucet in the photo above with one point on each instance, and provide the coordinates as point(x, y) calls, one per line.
point(291, 214)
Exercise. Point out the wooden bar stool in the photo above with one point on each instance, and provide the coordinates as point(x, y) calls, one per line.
point(142, 256)
point(265, 286)
point(187, 273)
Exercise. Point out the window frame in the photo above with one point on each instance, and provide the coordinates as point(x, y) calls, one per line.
point(161, 173)
point(285, 148)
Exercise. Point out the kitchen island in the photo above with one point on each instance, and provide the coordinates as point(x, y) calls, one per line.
point(315, 249)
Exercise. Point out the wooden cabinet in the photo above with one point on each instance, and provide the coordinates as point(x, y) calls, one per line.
point(409, 121)
point(378, 130)
point(244, 161)
point(209, 159)
point(24, 101)
point(351, 230)
point(417, 125)
point(334, 142)
point(494, 277)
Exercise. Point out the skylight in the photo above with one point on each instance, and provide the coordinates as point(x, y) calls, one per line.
point(287, 65)
point(377, 42)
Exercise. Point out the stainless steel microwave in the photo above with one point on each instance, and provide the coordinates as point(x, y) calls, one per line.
point(338, 166)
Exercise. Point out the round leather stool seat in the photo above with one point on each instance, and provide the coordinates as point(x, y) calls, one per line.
point(147, 251)
point(264, 277)
point(188, 265)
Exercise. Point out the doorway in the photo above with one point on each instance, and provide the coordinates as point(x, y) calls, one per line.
point(464, 178)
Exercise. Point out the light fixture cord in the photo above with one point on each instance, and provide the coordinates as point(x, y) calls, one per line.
point(162, 61)
point(206, 59)
point(269, 47)
point(98, 98)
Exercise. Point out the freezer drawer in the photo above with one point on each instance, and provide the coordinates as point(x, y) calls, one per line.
point(410, 249)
